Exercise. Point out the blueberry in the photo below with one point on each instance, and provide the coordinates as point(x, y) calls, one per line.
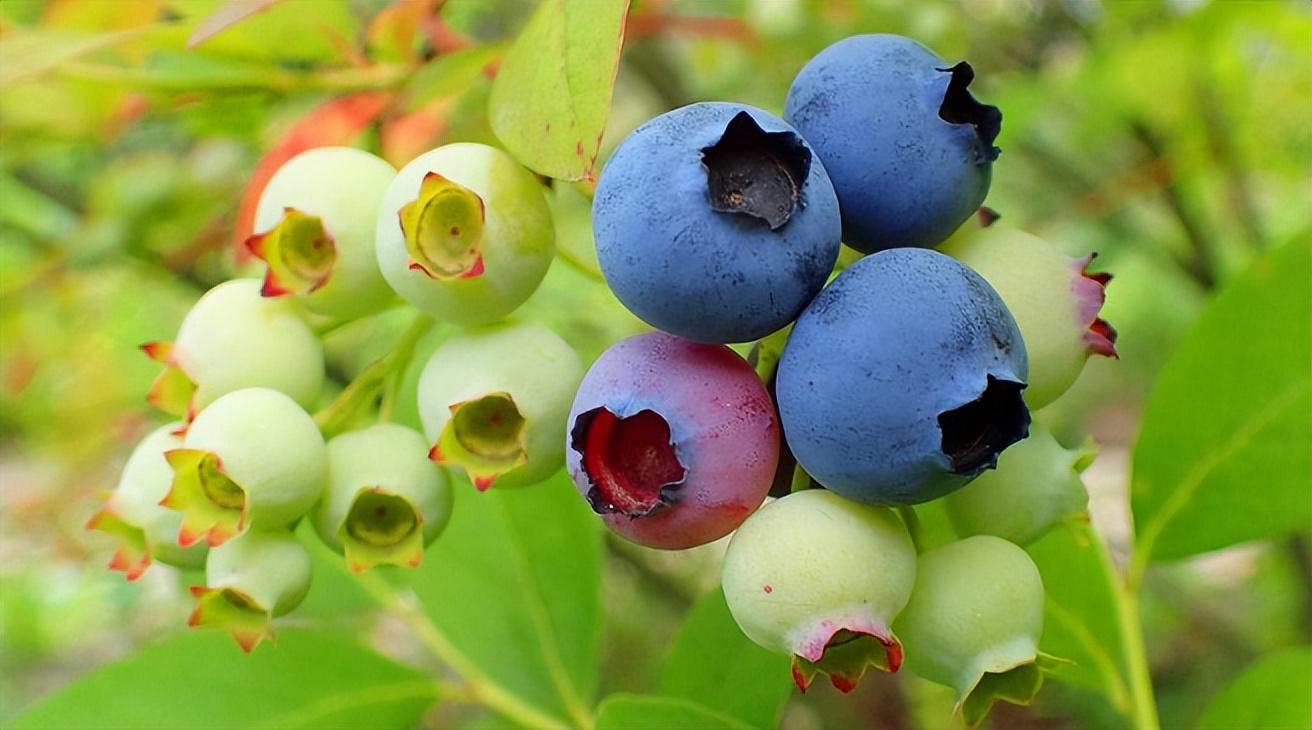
point(672, 442)
point(908, 148)
point(902, 380)
point(716, 222)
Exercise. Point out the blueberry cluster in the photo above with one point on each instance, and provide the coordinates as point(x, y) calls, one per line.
point(906, 377)
point(903, 379)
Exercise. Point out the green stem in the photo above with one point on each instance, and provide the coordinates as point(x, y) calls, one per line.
point(478, 686)
point(912, 521)
point(364, 390)
point(1125, 594)
point(801, 480)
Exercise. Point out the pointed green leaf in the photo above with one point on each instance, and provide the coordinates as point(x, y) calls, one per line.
point(714, 664)
point(200, 679)
point(635, 712)
point(1222, 456)
point(551, 97)
point(28, 52)
point(515, 583)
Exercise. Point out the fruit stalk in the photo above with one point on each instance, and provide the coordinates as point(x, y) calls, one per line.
point(360, 392)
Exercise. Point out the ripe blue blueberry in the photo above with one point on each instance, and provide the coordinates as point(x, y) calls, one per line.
point(902, 380)
point(908, 148)
point(716, 222)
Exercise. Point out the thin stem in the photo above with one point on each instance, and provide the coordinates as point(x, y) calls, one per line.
point(801, 480)
point(478, 686)
point(361, 392)
point(912, 521)
point(1125, 594)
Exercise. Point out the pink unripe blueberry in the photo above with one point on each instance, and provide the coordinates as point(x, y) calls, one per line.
point(821, 578)
point(673, 443)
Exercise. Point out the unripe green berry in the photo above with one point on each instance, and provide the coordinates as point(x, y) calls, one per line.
point(248, 581)
point(385, 500)
point(1054, 298)
point(315, 227)
point(974, 623)
point(146, 531)
point(464, 234)
point(494, 401)
point(1036, 485)
point(233, 338)
point(822, 578)
point(253, 458)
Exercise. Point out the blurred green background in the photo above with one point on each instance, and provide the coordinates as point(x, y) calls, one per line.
point(1170, 137)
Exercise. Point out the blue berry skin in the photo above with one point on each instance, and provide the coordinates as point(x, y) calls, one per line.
point(707, 274)
point(870, 106)
point(902, 380)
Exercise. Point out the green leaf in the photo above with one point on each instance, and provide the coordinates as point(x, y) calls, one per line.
point(200, 679)
point(448, 74)
point(1223, 454)
point(29, 52)
point(636, 712)
point(1270, 694)
point(515, 583)
point(1079, 616)
point(713, 663)
point(552, 94)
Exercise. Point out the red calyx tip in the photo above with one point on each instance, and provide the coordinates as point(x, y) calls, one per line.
point(474, 271)
point(435, 454)
point(482, 483)
point(841, 683)
point(800, 679)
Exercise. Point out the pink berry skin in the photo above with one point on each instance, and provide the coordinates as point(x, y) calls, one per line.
point(674, 443)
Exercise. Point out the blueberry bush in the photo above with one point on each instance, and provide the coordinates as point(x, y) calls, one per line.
point(658, 364)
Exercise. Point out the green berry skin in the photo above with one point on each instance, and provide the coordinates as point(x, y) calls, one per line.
point(977, 608)
point(271, 463)
point(524, 362)
point(146, 530)
point(249, 580)
point(1053, 297)
point(811, 569)
point(390, 460)
point(515, 248)
point(234, 338)
point(343, 187)
point(1036, 486)
point(269, 566)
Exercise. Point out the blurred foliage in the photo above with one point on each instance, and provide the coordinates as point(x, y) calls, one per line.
point(1171, 137)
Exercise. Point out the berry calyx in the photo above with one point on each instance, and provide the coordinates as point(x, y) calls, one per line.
point(300, 254)
point(631, 462)
point(494, 399)
point(249, 580)
point(384, 501)
point(464, 234)
point(822, 578)
point(485, 435)
point(443, 229)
